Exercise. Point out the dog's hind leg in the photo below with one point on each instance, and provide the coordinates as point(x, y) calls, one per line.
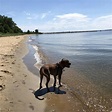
point(41, 78)
point(48, 79)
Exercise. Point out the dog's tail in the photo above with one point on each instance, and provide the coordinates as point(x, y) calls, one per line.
point(39, 98)
point(36, 93)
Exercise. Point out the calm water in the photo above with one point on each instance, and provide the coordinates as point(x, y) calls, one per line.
point(91, 58)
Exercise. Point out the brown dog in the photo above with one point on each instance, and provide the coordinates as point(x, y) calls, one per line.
point(55, 70)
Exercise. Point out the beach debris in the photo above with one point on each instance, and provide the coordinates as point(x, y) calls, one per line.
point(2, 87)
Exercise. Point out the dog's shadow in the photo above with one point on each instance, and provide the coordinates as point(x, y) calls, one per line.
point(40, 92)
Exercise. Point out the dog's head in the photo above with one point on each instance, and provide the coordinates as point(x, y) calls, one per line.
point(65, 63)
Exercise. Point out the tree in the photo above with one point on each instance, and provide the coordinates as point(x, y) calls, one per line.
point(7, 25)
point(28, 32)
point(1, 29)
point(36, 31)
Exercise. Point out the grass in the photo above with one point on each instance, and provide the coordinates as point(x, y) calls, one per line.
point(10, 34)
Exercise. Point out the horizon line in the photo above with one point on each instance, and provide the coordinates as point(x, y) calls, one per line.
point(80, 31)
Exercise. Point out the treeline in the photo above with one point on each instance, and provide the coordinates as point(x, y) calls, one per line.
point(33, 32)
point(7, 25)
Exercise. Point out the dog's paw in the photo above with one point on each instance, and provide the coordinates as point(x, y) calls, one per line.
point(60, 85)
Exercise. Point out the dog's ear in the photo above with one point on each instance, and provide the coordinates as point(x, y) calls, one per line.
point(63, 59)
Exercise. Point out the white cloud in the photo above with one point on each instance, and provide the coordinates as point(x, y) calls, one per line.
point(73, 16)
point(75, 21)
point(70, 22)
point(45, 14)
point(35, 16)
point(102, 22)
point(30, 16)
point(26, 13)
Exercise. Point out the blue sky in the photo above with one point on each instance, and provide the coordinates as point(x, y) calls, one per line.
point(59, 15)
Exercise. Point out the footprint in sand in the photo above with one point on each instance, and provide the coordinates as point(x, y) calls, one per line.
point(23, 82)
point(1, 77)
point(6, 71)
point(6, 55)
point(25, 75)
point(13, 62)
point(31, 107)
point(14, 81)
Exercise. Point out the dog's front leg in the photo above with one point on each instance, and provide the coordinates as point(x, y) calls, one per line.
point(54, 83)
point(59, 78)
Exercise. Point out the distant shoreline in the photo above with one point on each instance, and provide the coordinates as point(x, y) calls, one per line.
point(75, 31)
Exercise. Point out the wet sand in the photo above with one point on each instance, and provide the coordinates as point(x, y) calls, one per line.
point(78, 93)
point(62, 99)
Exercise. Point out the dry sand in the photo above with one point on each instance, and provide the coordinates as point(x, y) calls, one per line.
point(17, 84)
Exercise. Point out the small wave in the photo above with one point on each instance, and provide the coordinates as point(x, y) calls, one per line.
point(37, 56)
point(36, 48)
point(30, 40)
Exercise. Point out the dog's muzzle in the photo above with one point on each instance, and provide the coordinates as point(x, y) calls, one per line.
point(69, 65)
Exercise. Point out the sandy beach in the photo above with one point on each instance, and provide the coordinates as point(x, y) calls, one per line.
point(19, 87)
point(16, 82)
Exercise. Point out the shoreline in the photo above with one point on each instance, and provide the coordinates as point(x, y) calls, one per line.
point(17, 84)
point(79, 93)
point(64, 101)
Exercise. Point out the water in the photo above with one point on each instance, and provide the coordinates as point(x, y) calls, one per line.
point(90, 76)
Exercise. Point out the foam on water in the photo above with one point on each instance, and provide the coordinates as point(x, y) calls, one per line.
point(37, 57)
point(30, 39)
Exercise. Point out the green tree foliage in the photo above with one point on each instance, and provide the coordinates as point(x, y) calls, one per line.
point(7, 25)
point(33, 32)
point(36, 31)
point(28, 32)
